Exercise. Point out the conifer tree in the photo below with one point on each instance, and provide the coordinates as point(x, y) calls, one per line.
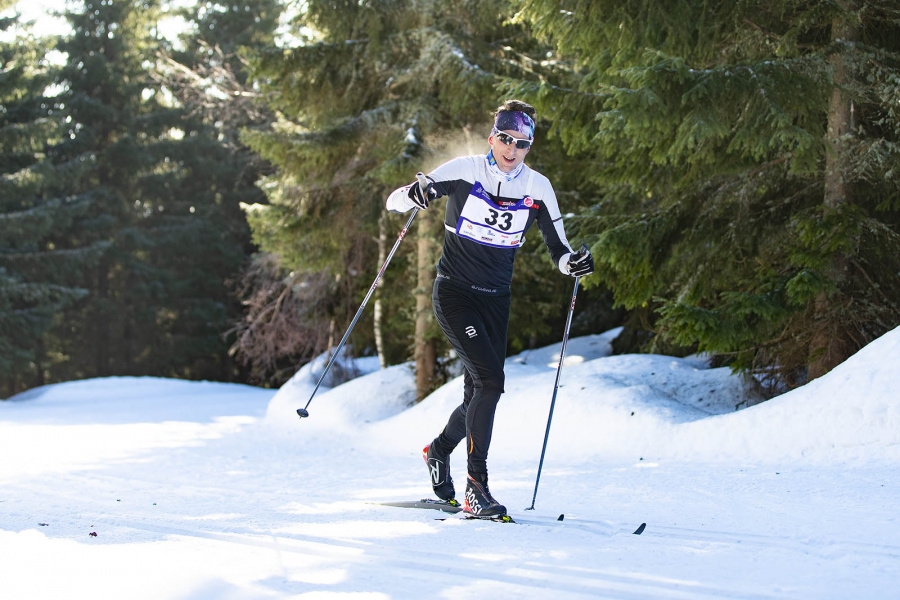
point(747, 158)
point(103, 85)
point(158, 303)
point(377, 91)
point(207, 73)
point(39, 266)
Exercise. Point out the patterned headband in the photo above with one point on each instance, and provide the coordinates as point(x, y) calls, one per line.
point(515, 120)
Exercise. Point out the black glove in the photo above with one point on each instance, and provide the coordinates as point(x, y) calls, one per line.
point(422, 198)
point(580, 263)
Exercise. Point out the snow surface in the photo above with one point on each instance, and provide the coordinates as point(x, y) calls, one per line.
point(152, 488)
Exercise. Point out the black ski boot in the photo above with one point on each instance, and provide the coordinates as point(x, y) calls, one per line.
point(439, 469)
point(479, 502)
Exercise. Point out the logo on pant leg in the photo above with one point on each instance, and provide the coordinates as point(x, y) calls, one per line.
point(470, 331)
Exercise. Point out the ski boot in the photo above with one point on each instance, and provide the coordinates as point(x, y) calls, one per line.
point(439, 469)
point(479, 502)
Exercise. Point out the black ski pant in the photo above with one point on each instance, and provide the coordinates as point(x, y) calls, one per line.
point(476, 326)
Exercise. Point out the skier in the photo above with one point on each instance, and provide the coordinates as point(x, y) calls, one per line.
point(492, 200)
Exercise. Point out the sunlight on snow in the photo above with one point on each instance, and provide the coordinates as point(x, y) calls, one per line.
point(356, 530)
point(93, 446)
point(322, 508)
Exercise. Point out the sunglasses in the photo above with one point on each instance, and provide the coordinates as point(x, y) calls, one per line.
point(508, 140)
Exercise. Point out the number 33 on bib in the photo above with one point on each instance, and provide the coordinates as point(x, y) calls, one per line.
point(484, 222)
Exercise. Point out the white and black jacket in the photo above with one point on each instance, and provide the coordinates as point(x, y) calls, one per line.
point(486, 219)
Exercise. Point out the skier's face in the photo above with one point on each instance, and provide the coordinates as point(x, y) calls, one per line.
point(505, 149)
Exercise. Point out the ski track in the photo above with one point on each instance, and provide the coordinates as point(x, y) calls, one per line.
point(519, 581)
point(823, 548)
point(820, 548)
point(371, 558)
point(524, 578)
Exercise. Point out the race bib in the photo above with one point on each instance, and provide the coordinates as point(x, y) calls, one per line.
point(484, 222)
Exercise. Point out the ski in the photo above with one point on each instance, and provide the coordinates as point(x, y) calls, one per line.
point(447, 506)
point(453, 507)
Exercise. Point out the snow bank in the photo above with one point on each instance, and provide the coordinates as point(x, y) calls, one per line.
point(851, 413)
point(117, 399)
point(633, 407)
point(372, 397)
point(80, 425)
point(578, 350)
point(610, 407)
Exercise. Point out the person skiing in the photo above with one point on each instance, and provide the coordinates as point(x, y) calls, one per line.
point(492, 201)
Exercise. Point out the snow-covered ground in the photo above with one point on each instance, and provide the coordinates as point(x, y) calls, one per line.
point(150, 488)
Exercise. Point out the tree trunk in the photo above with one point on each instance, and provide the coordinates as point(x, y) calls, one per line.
point(831, 344)
point(102, 314)
point(382, 256)
point(40, 356)
point(840, 119)
point(425, 352)
point(332, 333)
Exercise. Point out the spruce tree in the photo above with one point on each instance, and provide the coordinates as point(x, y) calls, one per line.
point(158, 302)
point(746, 159)
point(206, 72)
point(40, 264)
point(103, 83)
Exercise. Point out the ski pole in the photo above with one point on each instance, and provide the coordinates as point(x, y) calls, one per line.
point(562, 357)
point(303, 412)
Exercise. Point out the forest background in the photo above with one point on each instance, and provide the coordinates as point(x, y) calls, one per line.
point(210, 204)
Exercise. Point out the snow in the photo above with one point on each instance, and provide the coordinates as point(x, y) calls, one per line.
point(153, 488)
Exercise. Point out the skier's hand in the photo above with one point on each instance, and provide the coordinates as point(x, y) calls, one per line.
point(422, 197)
point(580, 263)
